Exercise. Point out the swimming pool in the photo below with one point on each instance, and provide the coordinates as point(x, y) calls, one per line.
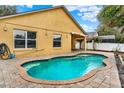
point(64, 68)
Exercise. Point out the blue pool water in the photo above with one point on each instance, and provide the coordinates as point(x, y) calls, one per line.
point(64, 68)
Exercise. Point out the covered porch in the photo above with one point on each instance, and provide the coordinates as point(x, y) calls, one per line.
point(78, 41)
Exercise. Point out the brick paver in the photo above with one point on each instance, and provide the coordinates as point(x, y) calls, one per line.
point(10, 77)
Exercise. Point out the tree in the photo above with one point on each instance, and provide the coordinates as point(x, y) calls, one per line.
point(112, 15)
point(7, 10)
point(105, 30)
point(119, 38)
point(95, 41)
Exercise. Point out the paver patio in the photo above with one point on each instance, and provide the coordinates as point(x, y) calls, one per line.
point(10, 77)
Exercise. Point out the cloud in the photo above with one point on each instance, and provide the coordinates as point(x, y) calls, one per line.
point(29, 6)
point(79, 14)
point(91, 13)
point(90, 16)
point(77, 7)
point(88, 13)
point(55, 5)
point(72, 7)
point(93, 8)
point(87, 28)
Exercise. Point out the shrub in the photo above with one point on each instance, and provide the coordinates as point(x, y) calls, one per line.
point(120, 38)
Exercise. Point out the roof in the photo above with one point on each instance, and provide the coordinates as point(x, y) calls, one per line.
point(107, 37)
point(92, 34)
point(36, 11)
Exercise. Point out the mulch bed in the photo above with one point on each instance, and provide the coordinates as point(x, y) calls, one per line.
point(123, 57)
point(120, 69)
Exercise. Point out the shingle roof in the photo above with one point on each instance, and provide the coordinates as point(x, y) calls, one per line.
point(92, 34)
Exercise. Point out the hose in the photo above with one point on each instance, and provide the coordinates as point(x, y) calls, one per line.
point(4, 51)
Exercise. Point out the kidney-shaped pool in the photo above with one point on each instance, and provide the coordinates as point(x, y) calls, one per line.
point(64, 68)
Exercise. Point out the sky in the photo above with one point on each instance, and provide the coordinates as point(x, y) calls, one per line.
point(84, 15)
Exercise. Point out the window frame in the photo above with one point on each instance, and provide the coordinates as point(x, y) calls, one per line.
point(60, 41)
point(26, 39)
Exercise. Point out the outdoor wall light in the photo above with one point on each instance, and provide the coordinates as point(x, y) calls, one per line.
point(5, 28)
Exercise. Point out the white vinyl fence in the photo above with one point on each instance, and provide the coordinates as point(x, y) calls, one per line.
point(107, 46)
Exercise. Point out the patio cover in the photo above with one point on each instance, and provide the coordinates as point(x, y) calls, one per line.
point(76, 33)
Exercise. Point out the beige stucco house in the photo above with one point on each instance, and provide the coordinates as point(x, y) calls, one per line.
point(42, 32)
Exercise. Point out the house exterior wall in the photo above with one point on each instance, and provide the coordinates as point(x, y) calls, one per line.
point(45, 24)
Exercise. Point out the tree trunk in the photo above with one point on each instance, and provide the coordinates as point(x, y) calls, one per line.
point(94, 46)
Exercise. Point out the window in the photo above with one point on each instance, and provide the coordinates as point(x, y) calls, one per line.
point(31, 39)
point(56, 40)
point(24, 39)
point(19, 39)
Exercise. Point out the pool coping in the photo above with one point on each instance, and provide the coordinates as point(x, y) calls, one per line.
point(25, 76)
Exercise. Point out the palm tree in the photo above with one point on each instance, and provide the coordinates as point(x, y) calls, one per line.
point(7, 10)
point(96, 40)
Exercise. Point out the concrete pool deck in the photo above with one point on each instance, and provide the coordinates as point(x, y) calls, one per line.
point(107, 78)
